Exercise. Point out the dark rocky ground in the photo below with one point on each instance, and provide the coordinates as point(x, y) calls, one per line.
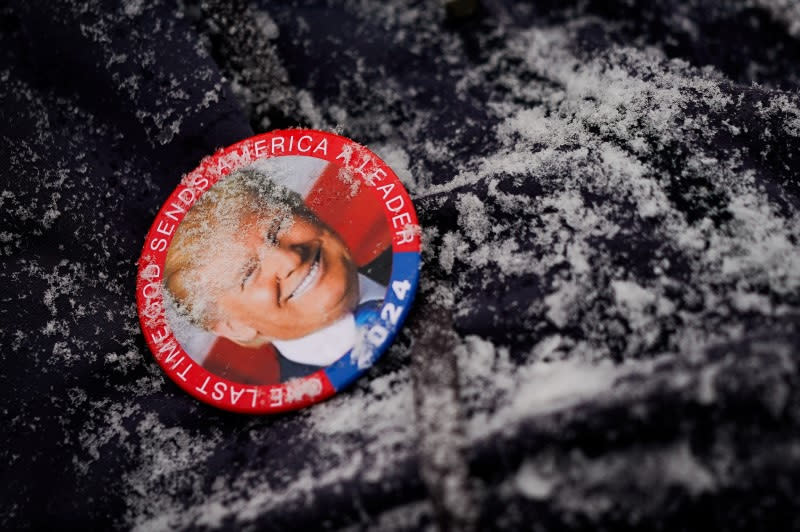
point(606, 334)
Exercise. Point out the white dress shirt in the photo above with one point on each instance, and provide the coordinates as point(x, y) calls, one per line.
point(326, 346)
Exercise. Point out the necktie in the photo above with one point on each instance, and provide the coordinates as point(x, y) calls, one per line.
point(367, 312)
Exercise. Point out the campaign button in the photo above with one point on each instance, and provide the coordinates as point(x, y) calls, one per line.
point(278, 271)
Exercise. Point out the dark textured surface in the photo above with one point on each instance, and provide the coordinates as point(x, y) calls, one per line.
point(610, 198)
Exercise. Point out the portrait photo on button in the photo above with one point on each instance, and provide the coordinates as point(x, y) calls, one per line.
point(271, 271)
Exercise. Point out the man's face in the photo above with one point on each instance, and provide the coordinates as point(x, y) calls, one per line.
point(292, 277)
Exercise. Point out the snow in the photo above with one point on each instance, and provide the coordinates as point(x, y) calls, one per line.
point(532, 484)
point(599, 223)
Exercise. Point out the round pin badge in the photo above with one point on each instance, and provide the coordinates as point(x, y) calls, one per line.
point(278, 271)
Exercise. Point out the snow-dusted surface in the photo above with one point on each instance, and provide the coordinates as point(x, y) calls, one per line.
point(611, 213)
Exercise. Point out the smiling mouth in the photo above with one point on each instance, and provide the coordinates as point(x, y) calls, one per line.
point(310, 278)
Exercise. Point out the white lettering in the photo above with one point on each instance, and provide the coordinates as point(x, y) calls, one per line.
point(219, 390)
point(236, 396)
point(322, 146)
point(401, 288)
point(386, 189)
point(377, 334)
point(158, 338)
point(400, 219)
point(172, 355)
point(345, 154)
point(173, 348)
point(158, 244)
point(260, 147)
point(391, 313)
point(186, 195)
point(151, 271)
point(152, 309)
point(151, 290)
point(300, 143)
point(276, 396)
point(393, 204)
point(406, 235)
point(377, 174)
point(183, 373)
point(177, 209)
point(202, 389)
point(364, 163)
point(165, 228)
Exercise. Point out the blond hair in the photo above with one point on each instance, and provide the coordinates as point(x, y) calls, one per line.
point(202, 246)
